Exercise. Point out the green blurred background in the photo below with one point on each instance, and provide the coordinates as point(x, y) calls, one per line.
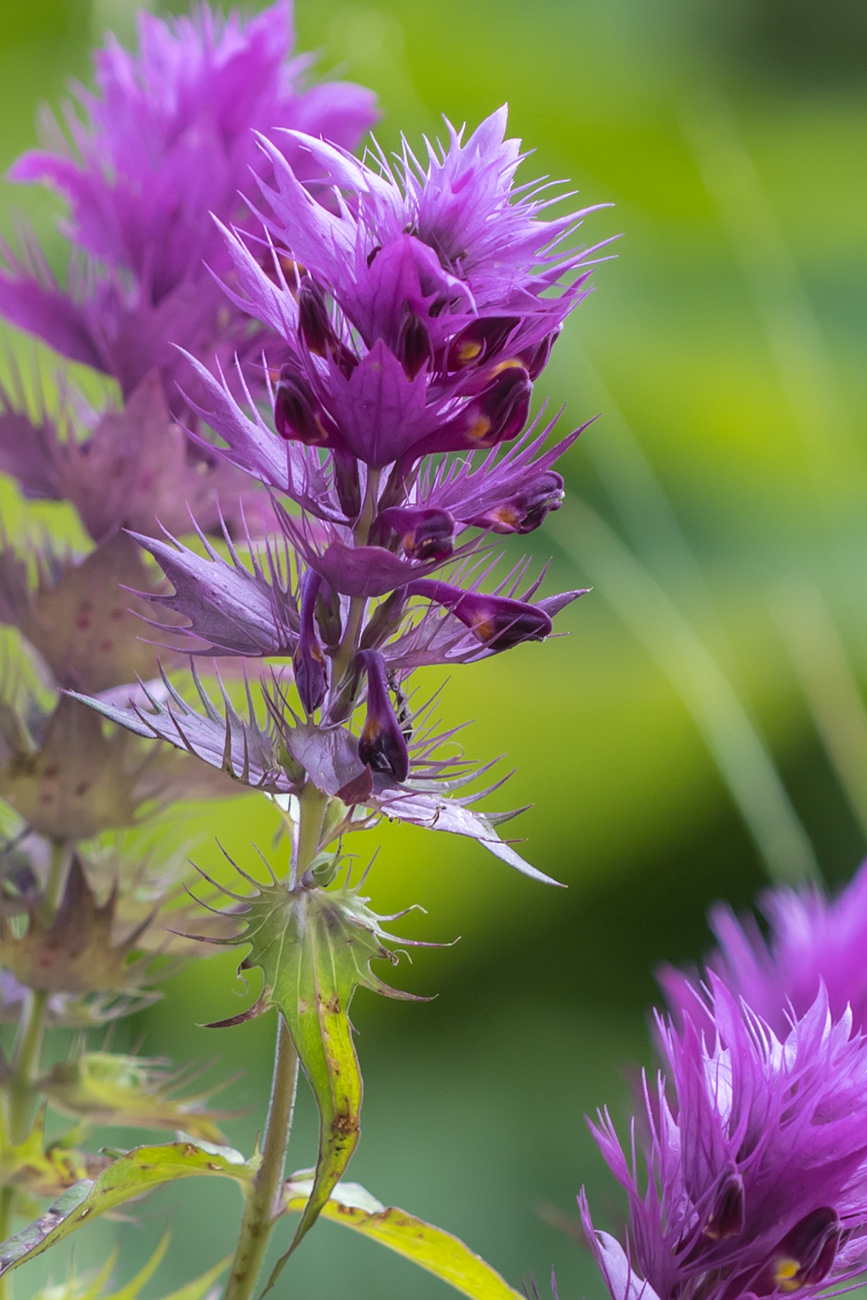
point(702, 718)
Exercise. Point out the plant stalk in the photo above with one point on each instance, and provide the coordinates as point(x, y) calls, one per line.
point(262, 1202)
point(27, 1050)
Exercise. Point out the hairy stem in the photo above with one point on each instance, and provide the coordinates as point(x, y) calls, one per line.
point(261, 1205)
point(25, 1064)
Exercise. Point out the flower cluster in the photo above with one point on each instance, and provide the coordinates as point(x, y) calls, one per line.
point(167, 135)
point(755, 1160)
point(755, 1136)
point(415, 306)
point(163, 145)
point(813, 943)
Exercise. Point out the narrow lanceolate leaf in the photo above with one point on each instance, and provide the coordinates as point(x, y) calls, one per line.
point(132, 1175)
point(431, 1248)
point(314, 947)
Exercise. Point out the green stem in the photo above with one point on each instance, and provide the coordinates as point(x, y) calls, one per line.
point(313, 804)
point(27, 1050)
point(25, 1064)
point(361, 533)
point(262, 1202)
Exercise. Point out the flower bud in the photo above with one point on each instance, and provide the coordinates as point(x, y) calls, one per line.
point(526, 510)
point(805, 1255)
point(536, 359)
point(481, 339)
point(728, 1210)
point(500, 412)
point(296, 411)
point(384, 621)
point(423, 534)
point(311, 673)
point(496, 621)
point(314, 323)
point(414, 349)
point(382, 744)
point(347, 483)
point(328, 617)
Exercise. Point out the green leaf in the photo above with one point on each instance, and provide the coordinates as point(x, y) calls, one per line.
point(314, 948)
point(131, 1176)
point(431, 1248)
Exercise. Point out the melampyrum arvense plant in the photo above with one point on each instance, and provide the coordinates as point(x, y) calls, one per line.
point(325, 369)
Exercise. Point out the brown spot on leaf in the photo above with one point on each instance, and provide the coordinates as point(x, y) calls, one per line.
point(344, 1124)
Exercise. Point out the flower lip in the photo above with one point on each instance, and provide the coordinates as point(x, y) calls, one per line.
point(806, 1254)
point(314, 324)
point(728, 1212)
point(414, 348)
point(308, 662)
point(296, 412)
point(478, 341)
point(426, 534)
point(526, 509)
point(500, 413)
point(498, 622)
point(382, 745)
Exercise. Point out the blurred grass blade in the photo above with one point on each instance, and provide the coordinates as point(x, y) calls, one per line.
point(199, 1289)
point(735, 745)
point(133, 1288)
point(772, 278)
point(826, 678)
point(637, 495)
point(131, 1176)
point(431, 1248)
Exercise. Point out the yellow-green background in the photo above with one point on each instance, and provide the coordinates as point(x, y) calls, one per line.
point(728, 329)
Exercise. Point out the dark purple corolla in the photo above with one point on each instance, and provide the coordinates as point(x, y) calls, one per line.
point(813, 942)
point(413, 310)
point(750, 1178)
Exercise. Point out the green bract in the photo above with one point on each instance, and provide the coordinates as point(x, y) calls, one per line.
point(314, 947)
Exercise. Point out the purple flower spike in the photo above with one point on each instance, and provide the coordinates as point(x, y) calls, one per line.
point(382, 744)
point(311, 674)
point(166, 140)
point(813, 942)
point(498, 622)
point(755, 1154)
point(404, 316)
